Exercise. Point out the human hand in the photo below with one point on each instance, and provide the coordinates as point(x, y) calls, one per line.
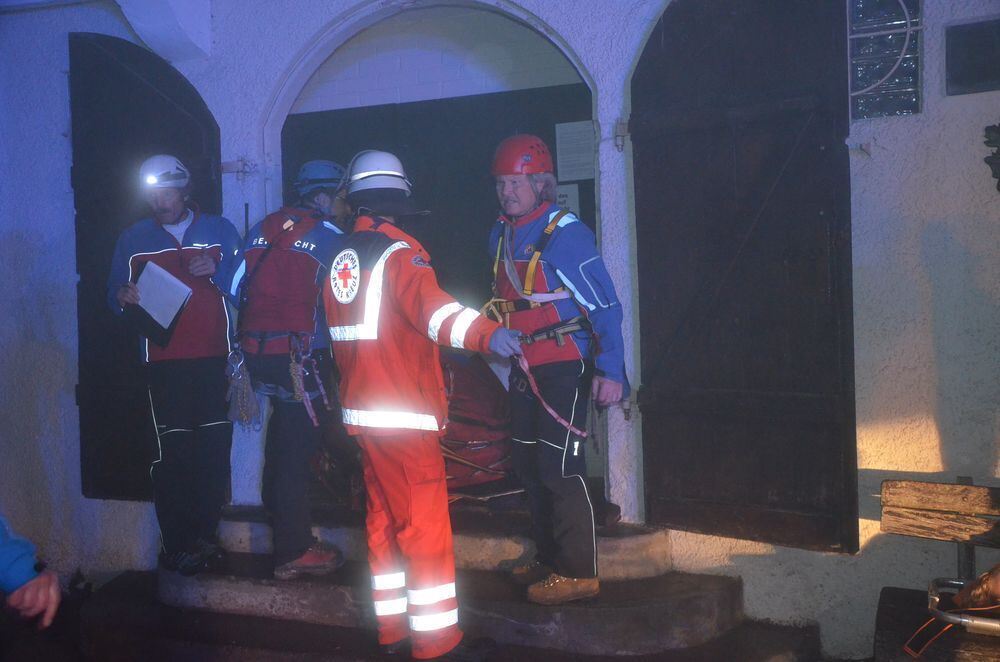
point(127, 294)
point(41, 595)
point(605, 391)
point(201, 264)
point(505, 343)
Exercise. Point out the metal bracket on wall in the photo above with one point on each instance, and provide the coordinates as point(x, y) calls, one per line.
point(621, 133)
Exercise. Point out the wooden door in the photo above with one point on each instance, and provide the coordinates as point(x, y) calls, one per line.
point(743, 211)
point(126, 104)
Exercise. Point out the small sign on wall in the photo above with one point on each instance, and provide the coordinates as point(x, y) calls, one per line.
point(575, 150)
point(568, 197)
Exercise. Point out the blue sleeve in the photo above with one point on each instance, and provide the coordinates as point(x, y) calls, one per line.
point(229, 267)
point(239, 271)
point(17, 560)
point(573, 253)
point(118, 274)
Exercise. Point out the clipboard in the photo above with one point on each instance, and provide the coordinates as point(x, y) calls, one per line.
point(162, 299)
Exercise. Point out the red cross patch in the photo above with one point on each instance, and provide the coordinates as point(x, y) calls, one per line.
point(345, 276)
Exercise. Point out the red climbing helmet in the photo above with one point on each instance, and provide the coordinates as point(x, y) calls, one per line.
point(523, 154)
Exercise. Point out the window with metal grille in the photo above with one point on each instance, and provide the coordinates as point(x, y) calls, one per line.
point(884, 52)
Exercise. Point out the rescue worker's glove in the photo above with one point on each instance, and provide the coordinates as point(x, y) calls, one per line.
point(505, 343)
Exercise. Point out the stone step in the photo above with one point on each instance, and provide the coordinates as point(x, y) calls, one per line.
point(483, 541)
point(123, 621)
point(630, 617)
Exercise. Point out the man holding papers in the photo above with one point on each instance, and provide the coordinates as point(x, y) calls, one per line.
point(164, 274)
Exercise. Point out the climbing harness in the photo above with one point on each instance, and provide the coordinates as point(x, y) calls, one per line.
point(299, 367)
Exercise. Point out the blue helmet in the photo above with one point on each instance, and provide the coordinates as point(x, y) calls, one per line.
point(318, 174)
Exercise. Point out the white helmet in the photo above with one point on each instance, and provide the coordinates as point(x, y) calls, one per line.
point(372, 169)
point(164, 171)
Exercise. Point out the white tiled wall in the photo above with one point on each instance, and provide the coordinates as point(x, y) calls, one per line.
point(434, 54)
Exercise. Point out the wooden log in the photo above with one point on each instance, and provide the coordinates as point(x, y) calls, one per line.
point(983, 531)
point(949, 497)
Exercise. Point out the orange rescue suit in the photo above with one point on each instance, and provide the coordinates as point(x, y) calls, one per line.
point(386, 316)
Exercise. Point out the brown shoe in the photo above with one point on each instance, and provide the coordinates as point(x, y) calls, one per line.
point(556, 589)
point(318, 560)
point(529, 573)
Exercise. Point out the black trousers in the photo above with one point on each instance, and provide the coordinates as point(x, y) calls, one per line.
point(550, 462)
point(291, 442)
point(191, 475)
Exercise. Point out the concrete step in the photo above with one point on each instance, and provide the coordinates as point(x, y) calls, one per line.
point(483, 541)
point(123, 621)
point(630, 617)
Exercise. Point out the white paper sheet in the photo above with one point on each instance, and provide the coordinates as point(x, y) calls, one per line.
point(161, 294)
point(575, 150)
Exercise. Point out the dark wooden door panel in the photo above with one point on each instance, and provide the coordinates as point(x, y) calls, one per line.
point(126, 104)
point(742, 205)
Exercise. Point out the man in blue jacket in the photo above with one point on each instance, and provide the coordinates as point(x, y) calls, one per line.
point(551, 284)
point(28, 592)
point(187, 374)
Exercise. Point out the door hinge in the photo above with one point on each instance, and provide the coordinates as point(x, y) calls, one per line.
point(621, 133)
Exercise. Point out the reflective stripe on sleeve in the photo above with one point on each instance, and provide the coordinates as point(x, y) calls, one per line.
point(439, 316)
point(461, 327)
point(431, 622)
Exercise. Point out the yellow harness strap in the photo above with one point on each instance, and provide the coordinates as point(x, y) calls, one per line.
point(529, 277)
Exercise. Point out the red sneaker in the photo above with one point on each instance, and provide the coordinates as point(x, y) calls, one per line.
point(318, 560)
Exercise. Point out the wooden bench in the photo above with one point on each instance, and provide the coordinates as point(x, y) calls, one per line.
point(966, 514)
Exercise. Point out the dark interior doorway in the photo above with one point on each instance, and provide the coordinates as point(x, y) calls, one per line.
point(126, 104)
point(446, 146)
point(743, 210)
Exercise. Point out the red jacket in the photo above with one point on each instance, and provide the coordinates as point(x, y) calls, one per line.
point(387, 315)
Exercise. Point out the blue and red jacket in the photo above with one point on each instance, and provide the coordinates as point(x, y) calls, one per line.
point(17, 560)
point(285, 295)
point(569, 261)
point(203, 329)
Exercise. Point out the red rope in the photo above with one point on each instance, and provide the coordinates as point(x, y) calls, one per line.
point(523, 363)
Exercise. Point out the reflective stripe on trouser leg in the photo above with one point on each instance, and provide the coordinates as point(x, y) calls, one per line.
point(388, 578)
point(410, 512)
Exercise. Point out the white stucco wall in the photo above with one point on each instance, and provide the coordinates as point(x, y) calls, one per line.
point(926, 281)
point(40, 490)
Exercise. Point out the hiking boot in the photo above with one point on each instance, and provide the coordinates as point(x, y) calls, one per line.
point(318, 560)
point(214, 554)
point(187, 564)
point(529, 573)
point(556, 589)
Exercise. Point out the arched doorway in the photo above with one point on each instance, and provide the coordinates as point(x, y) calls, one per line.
point(441, 86)
point(739, 115)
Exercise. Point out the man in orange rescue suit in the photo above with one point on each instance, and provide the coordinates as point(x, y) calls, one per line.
point(551, 285)
point(387, 315)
